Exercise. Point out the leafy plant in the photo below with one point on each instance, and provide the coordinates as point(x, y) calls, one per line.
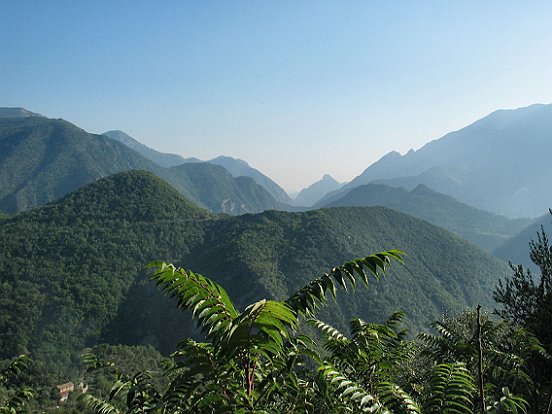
point(508, 403)
point(506, 352)
point(366, 368)
point(527, 303)
point(13, 396)
point(254, 360)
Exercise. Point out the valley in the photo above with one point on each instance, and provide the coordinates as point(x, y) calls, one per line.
point(83, 214)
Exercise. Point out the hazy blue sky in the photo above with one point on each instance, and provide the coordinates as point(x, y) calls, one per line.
point(296, 88)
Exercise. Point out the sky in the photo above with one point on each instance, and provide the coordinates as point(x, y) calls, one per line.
point(296, 88)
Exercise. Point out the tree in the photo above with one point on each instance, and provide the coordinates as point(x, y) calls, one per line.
point(506, 351)
point(372, 364)
point(527, 302)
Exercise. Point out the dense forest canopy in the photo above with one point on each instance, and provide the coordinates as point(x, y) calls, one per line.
point(80, 263)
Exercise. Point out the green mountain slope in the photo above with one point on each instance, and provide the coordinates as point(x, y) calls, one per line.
point(72, 271)
point(43, 159)
point(277, 252)
point(161, 158)
point(482, 228)
point(213, 187)
point(65, 267)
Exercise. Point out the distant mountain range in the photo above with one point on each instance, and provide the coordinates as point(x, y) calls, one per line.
point(240, 168)
point(310, 195)
point(43, 159)
point(72, 271)
point(236, 167)
point(214, 188)
point(516, 249)
point(486, 230)
point(500, 163)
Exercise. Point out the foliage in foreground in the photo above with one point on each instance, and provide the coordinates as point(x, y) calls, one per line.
point(527, 303)
point(13, 396)
point(257, 360)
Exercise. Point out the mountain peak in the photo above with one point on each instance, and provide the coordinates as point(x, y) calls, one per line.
point(310, 195)
point(391, 155)
point(329, 178)
point(422, 189)
point(117, 132)
point(240, 168)
point(132, 194)
point(121, 136)
point(224, 159)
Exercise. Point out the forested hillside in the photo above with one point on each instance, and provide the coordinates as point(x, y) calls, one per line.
point(215, 189)
point(43, 159)
point(66, 267)
point(73, 273)
point(281, 251)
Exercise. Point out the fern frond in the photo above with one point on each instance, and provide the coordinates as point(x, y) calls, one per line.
point(262, 327)
point(508, 403)
point(209, 303)
point(16, 365)
point(447, 346)
point(327, 329)
point(308, 298)
point(100, 406)
point(396, 399)
point(16, 402)
point(350, 391)
point(451, 389)
point(395, 319)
